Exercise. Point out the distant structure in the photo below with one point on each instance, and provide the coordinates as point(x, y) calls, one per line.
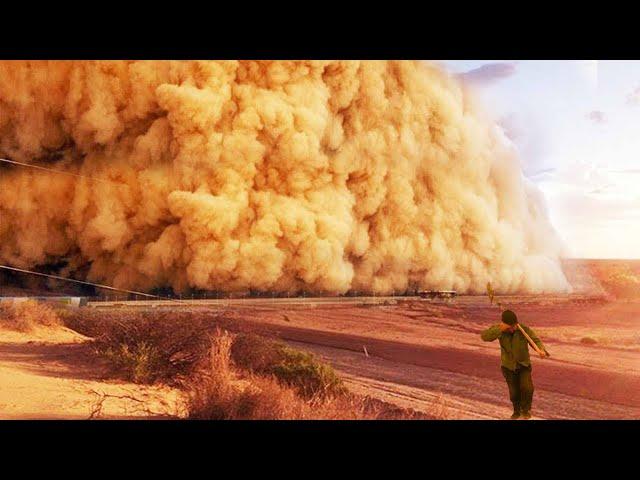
point(63, 301)
point(434, 294)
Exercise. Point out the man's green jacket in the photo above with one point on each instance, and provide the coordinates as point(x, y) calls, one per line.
point(514, 348)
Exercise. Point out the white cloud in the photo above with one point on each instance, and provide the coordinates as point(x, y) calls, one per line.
point(633, 98)
point(578, 139)
point(488, 73)
point(596, 210)
point(597, 116)
point(589, 70)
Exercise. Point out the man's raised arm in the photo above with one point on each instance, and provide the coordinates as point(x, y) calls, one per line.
point(491, 333)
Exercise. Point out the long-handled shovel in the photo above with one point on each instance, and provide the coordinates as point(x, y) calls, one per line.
point(529, 339)
point(531, 342)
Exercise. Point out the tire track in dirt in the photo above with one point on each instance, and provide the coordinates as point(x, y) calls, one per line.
point(453, 395)
point(570, 380)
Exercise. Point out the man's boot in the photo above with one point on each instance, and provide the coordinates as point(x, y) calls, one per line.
point(515, 415)
point(526, 415)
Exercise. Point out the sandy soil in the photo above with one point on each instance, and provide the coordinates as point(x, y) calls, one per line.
point(47, 374)
point(417, 354)
point(429, 356)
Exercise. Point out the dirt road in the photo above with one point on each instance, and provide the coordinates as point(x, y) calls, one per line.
point(429, 356)
point(414, 353)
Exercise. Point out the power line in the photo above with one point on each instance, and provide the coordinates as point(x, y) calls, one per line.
point(6, 267)
point(56, 277)
point(61, 172)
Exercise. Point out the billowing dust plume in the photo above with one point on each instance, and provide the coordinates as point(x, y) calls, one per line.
point(272, 176)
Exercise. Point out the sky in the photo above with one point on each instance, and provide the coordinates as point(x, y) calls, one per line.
point(575, 124)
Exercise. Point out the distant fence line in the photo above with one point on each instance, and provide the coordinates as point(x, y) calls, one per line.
point(66, 301)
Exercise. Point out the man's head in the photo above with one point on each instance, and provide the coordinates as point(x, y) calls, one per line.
point(509, 318)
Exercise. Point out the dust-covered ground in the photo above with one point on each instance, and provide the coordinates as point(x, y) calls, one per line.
point(48, 374)
point(420, 354)
point(429, 356)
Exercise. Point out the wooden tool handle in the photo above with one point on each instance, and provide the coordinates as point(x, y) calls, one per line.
point(531, 342)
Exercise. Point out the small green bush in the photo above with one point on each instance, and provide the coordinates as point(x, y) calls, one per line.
point(292, 367)
point(139, 362)
point(309, 376)
point(254, 352)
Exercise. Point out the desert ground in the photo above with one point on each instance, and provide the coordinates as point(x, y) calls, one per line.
point(410, 352)
point(48, 375)
point(419, 354)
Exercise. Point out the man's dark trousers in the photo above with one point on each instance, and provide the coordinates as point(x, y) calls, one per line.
point(520, 387)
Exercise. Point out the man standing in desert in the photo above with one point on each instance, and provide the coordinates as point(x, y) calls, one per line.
point(515, 361)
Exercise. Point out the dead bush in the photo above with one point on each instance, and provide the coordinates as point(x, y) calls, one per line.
point(222, 391)
point(224, 376)
point(26, 315)
point(147, 348)
point(218, 393)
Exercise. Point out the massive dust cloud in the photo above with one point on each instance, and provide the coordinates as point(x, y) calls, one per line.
point(323, 177)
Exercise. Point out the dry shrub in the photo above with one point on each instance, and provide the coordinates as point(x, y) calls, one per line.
point(300, 370)
point(623, 284)
point(245, 376)
point(254, 352)
point(369, 407)
point(147, 348)
point(218, 393)
point(310, 377)
point(440, 409)
point(139, 362)
point(210, 392)
point(26, 315)
point(222, 391)
point(266, 399)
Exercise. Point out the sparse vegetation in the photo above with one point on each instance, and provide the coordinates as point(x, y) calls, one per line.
point(441, 410)
point(222, 391)
point(219, 392)
point(300, 370)
point(310, 377)
point(146, 348)
point(139, 362)
point(588, 341)
point(254, 352)
point(224, 375)
point(26, 315)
